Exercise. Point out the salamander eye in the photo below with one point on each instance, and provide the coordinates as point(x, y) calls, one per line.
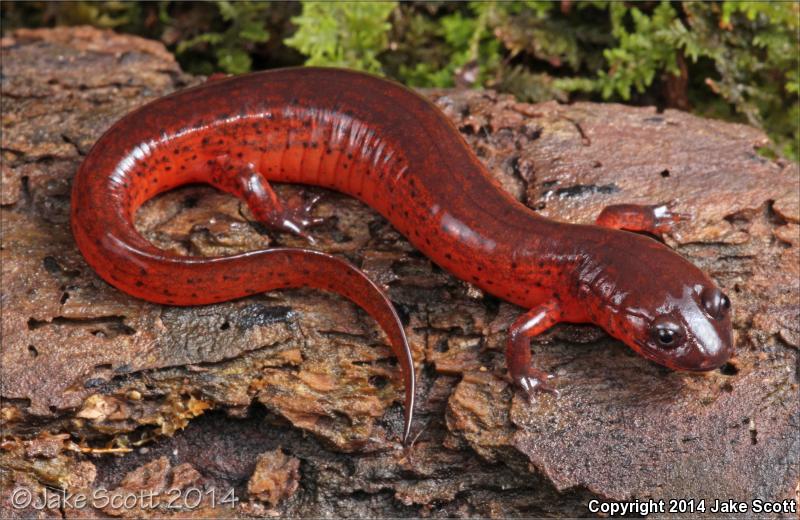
point(667, 333)
point(715, 303)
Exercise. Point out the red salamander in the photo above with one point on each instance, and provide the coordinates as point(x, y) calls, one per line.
point(398, 153)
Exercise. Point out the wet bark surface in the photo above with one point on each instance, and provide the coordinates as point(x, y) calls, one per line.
point(291, 401)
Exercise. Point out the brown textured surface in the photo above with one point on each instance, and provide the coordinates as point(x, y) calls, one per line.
point(78, 357)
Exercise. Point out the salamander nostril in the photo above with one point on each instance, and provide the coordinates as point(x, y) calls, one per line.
point(715, 303)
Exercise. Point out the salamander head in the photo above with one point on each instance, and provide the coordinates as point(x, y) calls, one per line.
point(670, 312)
point(691, 332)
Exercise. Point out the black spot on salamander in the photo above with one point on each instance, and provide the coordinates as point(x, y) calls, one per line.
point(349, 155)
point(142, 271)
point(479, 268)
point(239, 155)
point(168, 168)
point(328, 151)
point(541, 264)
point(513, 265)
point(206, 140)
point(476, 279)
point(307, 124)
point(176, 151)
point(194, 156)
point(194, 295)
point(448, 256)
point(220, 141)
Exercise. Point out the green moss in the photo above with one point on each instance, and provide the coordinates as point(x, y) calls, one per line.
point(343, 34)
point(243, 26)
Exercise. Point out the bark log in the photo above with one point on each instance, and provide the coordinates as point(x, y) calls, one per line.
point(102, 391)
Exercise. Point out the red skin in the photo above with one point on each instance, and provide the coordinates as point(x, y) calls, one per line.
point(395, 151)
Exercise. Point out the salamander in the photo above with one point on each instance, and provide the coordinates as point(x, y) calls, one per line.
point(393, 149)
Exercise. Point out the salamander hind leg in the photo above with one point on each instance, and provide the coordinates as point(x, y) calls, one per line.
point(292, 216)
point(518, 350)
point(655, 220)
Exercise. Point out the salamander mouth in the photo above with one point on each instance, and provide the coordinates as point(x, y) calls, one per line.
point(671, 364)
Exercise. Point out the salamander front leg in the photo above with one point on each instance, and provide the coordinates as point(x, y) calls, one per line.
point(293, 216)
point(655, 220)
point(518, 351)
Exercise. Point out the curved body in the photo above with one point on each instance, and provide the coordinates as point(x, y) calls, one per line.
point(395, 151)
